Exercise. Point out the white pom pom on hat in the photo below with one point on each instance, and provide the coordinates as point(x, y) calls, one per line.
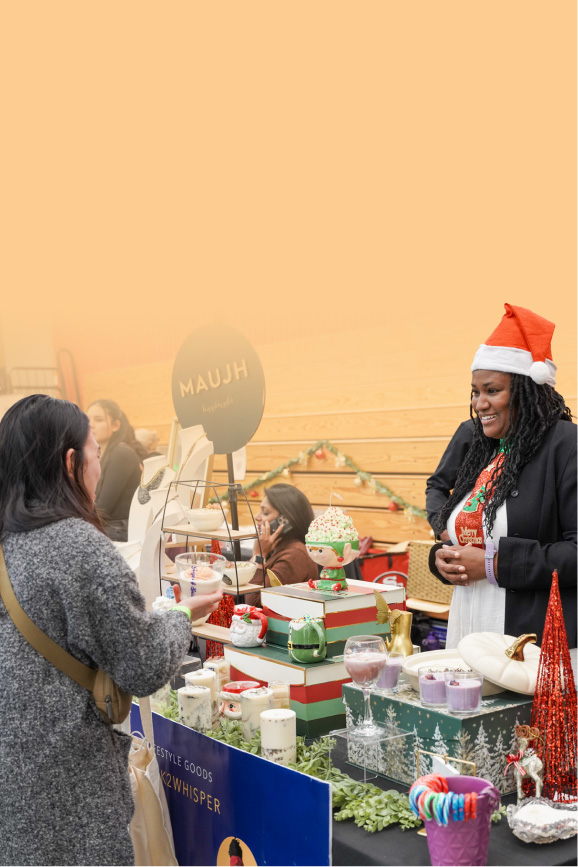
point(539, 372)
point(520, 344)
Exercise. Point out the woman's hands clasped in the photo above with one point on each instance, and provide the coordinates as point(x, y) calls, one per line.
point(460, 565)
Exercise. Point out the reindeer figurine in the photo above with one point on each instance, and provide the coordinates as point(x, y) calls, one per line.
point(526, 760)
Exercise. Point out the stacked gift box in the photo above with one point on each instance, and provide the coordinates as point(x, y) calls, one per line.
point(315, 688)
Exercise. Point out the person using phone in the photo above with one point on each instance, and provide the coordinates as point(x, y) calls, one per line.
point(282, 523)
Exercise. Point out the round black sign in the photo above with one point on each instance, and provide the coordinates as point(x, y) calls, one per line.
point(218, 381)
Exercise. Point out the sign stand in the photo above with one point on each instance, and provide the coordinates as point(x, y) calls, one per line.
point(233, 505)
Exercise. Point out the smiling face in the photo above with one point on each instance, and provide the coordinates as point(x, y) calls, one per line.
point(491, 401)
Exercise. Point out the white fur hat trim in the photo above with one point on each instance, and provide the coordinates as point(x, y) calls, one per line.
point(510, 360)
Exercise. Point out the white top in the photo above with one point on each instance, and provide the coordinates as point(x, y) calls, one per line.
point(481, 607)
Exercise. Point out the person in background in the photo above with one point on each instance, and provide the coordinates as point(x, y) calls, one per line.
point(149, 441)
point(64, 781)
point(510, 520)
point(120, 464)
point(282, 523)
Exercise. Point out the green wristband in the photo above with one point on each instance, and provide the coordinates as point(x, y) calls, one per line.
point(182, 608)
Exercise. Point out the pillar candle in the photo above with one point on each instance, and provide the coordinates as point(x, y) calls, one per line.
point(161, 697)
point(206, 677)
point(221, 667)
point(253, 701)
point(279, 735)
point(195, 707)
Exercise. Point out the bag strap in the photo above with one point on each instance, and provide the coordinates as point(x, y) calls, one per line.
point(45, 646)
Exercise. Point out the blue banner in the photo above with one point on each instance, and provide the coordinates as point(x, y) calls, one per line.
point(231, 807)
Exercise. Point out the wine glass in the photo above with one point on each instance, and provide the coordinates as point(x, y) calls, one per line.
point(365, 658)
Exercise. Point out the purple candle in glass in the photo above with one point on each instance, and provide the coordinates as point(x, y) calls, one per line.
point(464, 691)
point(432, 687)
point(390, 674)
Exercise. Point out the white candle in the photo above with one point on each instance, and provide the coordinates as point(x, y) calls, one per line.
point(195, 707)
point(253, 701)
point(279, 735)
point(161, 697)
point(221, 667)
point(206, 677)
point(280, 694)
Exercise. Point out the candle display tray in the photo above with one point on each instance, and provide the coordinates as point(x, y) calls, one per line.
point(363, 752)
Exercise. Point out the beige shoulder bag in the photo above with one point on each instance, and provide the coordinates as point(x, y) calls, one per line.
point(113, 703)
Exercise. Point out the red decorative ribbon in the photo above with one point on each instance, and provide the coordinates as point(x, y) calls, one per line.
point(514, 759)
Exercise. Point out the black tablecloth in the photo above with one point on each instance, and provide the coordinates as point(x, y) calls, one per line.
point(353, 846)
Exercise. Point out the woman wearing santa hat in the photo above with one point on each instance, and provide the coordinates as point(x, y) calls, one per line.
point(510, 520)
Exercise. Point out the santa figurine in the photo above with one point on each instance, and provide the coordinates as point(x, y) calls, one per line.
point(248, 626)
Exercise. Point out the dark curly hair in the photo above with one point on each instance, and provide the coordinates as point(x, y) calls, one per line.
point(534, 409)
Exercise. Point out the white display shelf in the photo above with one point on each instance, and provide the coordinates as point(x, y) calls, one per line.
point(220, 535)
point(226, 588)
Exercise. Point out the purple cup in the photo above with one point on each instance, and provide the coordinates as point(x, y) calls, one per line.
point(432, 686)
point(390, 673)
point(459, 844)
point(464, 691)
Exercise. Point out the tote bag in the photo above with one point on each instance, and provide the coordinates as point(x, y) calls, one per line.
point(150, 829)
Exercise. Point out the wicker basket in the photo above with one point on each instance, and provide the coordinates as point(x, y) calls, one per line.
point(421, 584)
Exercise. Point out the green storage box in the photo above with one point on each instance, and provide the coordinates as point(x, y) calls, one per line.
point(485, 738)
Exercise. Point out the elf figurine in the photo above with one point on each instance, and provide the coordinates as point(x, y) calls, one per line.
point(333, 542)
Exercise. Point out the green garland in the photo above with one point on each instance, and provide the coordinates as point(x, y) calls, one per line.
point(341, 460)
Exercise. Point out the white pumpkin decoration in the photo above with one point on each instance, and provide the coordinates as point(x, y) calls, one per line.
point(494, 656)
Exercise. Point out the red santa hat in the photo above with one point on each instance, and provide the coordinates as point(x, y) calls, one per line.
point(520, 344)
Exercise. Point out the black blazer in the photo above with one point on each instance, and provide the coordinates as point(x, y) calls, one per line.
point(541, 528)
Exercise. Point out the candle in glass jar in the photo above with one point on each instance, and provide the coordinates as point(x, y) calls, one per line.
point(281, 694)
point(432, 687)
point(463, 693)
point(221, 667)
point(195, 707)
point(206, 677)
point(390, 673)
point(253, 701)
point(279, 735)
point(364, 667)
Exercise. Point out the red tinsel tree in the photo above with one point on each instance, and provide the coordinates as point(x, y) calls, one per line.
point(223, 616)
point(554, 707)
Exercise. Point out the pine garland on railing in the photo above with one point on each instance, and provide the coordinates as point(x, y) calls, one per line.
point(362, 477)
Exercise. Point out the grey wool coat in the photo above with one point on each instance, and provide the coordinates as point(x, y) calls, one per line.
point(64, 786)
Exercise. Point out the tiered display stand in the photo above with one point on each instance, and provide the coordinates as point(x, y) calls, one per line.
point(202, 490)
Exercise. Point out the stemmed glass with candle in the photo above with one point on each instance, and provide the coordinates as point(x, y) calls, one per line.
point(365, 658)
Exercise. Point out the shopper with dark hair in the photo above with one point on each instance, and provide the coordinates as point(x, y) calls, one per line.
point(510, 520)
point(120, 463)
point(64, 783)
point(282, 522)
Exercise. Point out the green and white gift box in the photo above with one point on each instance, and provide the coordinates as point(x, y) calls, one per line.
point(485, 738)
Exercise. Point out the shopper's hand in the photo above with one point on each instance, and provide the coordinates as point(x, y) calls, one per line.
point(201, 605)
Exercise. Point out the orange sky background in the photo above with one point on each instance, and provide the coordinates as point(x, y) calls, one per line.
point(289, 168)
